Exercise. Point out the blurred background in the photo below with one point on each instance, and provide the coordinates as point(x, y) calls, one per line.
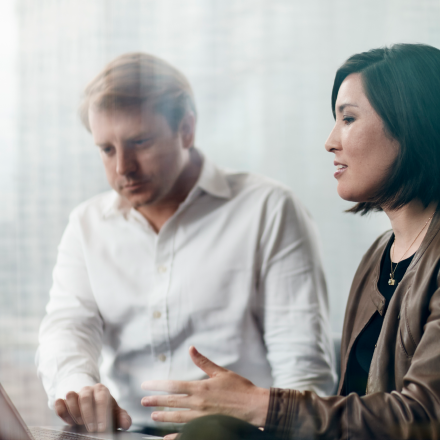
point(262, 72)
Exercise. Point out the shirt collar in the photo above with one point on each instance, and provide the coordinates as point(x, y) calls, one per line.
point(116, 205)
point(212, 180)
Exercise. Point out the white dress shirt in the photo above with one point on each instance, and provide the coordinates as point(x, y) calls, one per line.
point(236, 272)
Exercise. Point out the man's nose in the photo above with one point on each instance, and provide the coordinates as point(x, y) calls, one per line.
point(333, 141)
point(126, 162)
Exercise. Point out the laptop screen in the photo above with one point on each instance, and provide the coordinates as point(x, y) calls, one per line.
point(12, 426)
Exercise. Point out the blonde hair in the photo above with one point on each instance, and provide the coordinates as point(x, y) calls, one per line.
point(136, 80)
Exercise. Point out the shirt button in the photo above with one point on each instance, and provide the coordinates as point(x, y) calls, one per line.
point(162, 269)
point(157, 314)
point(162, 357)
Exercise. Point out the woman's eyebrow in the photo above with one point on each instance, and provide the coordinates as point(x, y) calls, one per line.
point(342, 106)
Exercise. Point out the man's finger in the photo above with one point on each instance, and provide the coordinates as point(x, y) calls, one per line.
point(204, 363)
point(103, 408)
point(63, 413)
point(169, 401)
point(170, 386)
point(122, 419)
point(87, 408)
point(72, 405)
point(176, 416)
point(170, 436)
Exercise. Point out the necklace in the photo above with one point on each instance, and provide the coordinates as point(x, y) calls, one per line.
point(392, 281)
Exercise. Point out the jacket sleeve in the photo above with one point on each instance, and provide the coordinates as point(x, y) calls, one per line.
point(412, 413)
point(293, 304)
point(70, 338)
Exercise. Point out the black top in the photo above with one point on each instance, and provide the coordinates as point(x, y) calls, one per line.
point(363, 348)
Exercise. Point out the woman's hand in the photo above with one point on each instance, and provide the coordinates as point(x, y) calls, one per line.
point(223, 393)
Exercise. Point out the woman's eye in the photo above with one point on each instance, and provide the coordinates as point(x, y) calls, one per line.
point(348, 119)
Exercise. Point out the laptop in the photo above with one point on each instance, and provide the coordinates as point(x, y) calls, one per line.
point(12, 427)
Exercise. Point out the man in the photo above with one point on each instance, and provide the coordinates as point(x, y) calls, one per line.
point(179, 253)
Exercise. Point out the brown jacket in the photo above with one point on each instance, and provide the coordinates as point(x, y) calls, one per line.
point(403, 392)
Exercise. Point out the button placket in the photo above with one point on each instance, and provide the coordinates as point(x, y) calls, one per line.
point(158, 319)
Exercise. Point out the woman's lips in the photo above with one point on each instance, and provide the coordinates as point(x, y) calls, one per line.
point(339, 170)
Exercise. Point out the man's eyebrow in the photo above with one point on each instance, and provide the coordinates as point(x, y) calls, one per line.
point(134, 138)
point(342, 106)
point(141, 135)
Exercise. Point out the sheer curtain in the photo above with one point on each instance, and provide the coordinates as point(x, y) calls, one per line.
point(262, 72)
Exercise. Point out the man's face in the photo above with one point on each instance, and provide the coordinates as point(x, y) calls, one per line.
point(142, 156)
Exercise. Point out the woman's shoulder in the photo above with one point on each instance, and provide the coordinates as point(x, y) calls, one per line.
point(376, 249)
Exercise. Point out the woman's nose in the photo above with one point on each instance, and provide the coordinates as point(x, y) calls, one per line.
point(333, 141)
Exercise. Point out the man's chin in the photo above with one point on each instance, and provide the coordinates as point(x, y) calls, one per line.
point(141, 204)
point(138, 200)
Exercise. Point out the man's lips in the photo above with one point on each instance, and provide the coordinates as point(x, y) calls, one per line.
point(135, 184)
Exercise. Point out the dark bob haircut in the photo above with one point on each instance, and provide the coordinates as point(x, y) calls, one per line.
point(402, 83)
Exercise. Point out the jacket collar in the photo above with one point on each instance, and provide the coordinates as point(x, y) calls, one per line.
point(433, 230)
point(212, 180)
point(376, 297)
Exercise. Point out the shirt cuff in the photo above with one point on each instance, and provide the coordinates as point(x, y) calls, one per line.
point(75, 382)
point(281, 412)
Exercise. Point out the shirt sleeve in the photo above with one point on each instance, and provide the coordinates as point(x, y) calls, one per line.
point(70, 338)
point(292, 299)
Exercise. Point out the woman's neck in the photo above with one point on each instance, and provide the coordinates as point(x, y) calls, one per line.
point(410, 224)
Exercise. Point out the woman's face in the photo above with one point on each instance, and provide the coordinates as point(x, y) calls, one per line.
point(364, 152)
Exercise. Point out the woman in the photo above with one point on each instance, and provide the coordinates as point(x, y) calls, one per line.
point(386, 142)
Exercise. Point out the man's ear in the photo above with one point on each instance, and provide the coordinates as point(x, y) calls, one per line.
point(187, 129)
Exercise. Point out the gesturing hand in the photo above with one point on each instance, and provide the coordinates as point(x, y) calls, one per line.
point(93, 407)
point(224, 392)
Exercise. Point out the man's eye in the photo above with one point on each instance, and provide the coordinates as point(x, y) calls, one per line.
point(107, 150)
point(143, 142)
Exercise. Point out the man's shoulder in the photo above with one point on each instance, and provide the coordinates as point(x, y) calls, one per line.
point(267, 195)
point(250, 183)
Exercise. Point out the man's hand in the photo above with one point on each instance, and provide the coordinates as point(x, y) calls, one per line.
point(93, 407)
point(224, 392)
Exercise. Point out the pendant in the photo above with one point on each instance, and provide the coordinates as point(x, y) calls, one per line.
point(391, 281)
